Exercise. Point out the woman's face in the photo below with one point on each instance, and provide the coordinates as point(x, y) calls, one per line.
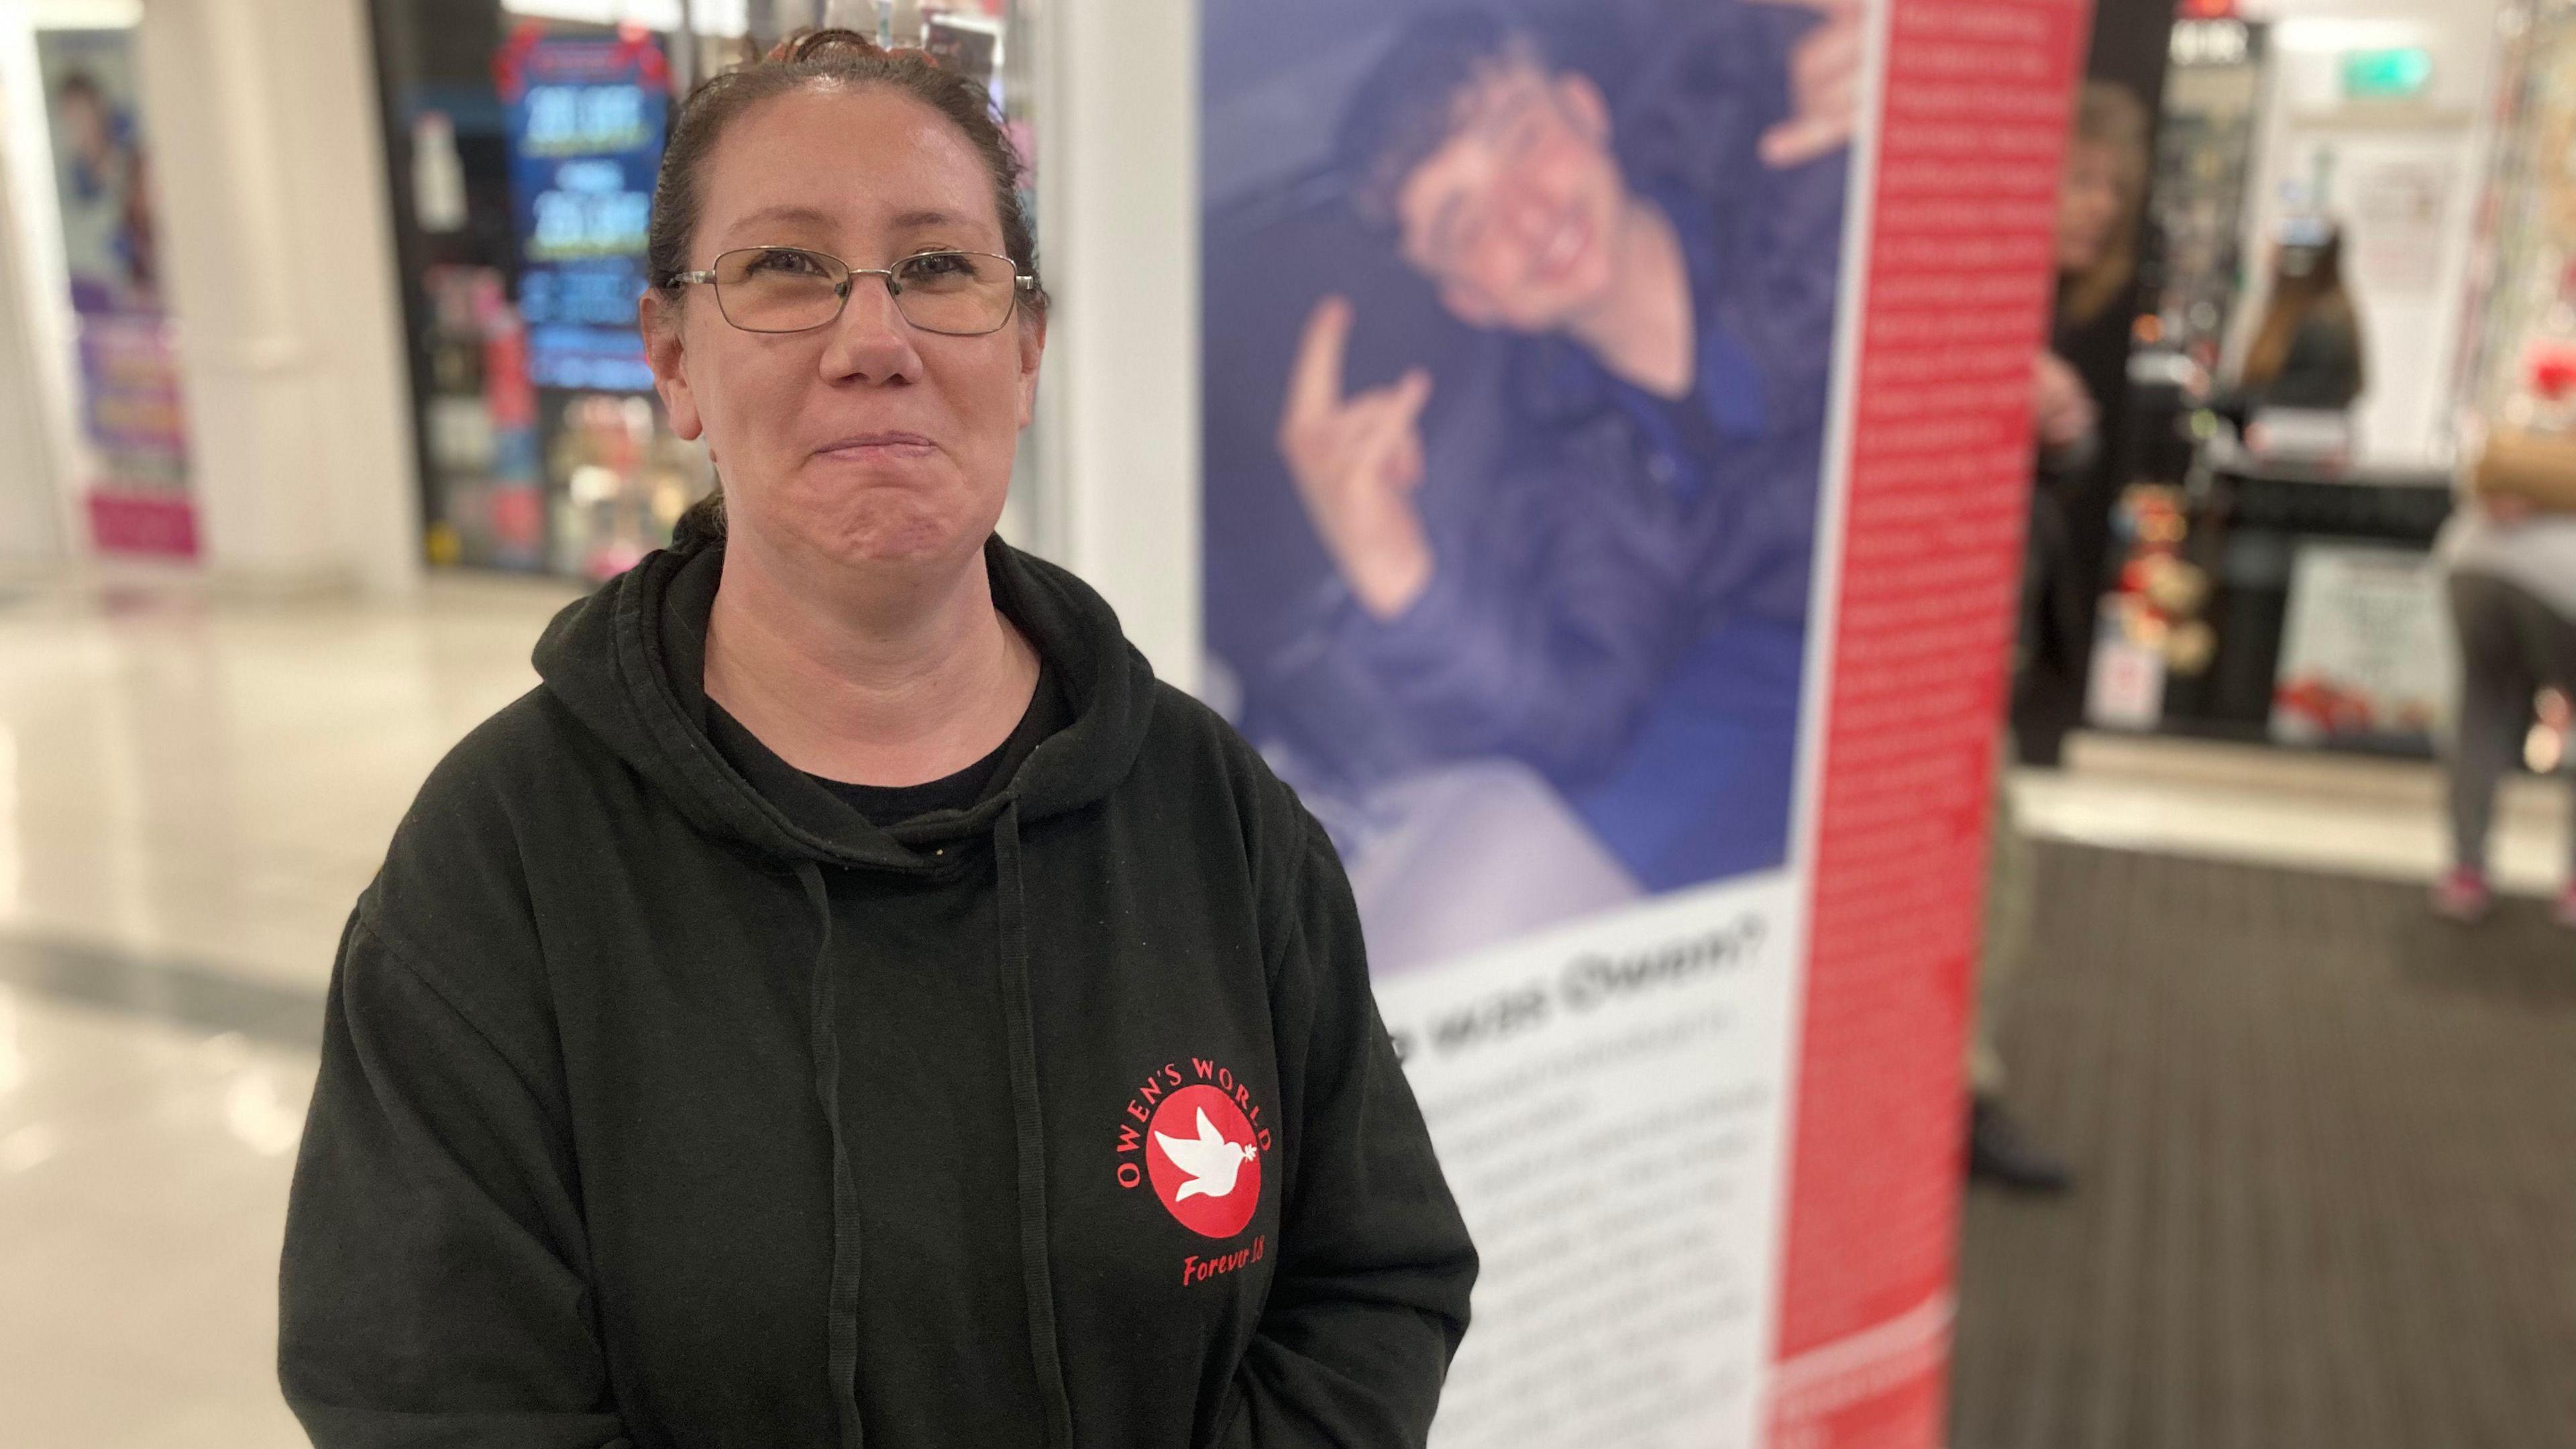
point(866, 440)
point(2088, 205)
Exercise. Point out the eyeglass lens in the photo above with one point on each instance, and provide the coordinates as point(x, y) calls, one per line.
point(788, 289)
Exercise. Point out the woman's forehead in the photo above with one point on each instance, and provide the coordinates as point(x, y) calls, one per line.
point(845, 163)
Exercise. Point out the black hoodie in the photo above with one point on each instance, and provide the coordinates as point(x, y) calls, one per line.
point(666, 1101)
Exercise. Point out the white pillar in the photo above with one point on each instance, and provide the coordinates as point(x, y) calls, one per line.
point(1118, 224)
point(270, 171)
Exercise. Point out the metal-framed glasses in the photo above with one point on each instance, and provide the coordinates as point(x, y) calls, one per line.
point(791, 289)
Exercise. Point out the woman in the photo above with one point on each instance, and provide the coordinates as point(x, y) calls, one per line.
point(2101, 195)
point(2100, 192)
point(2511, 579)
point(851, 1001)
point(2306, 352)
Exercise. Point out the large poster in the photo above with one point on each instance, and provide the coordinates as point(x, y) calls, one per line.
point(585, 118)
point(1616, 427)
point(131, 413)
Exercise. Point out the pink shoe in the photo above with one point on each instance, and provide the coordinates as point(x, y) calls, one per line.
point(2565, 915)
point(2463, 896)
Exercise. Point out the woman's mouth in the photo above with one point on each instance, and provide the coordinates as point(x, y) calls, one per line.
point(859, 447)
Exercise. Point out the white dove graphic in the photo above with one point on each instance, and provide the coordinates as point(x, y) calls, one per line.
point(1210, 1160)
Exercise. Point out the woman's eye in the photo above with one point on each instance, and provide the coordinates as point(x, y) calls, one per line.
point(786, 263)
point(940, 264)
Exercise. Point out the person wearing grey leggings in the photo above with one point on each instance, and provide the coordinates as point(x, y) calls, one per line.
point(2512, 587)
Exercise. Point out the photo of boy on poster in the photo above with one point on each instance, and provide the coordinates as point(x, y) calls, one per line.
point(112, 249)
point(1551, 658)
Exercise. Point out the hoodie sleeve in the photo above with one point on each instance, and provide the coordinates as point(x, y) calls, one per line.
point(434, 1289)
point(1370, 1300)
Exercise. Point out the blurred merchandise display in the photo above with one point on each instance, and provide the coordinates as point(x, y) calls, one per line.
point(2150, 626)
point(135, 479)
point(2271, 577)
point(479, 423)
point(2518, 370)
point(2238, 591)
point(626, 479)
point(2366, 653)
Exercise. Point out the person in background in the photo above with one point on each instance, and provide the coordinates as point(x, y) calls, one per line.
point(2511, 581)
point(2307, 351)
point(2101, 200)
point(2101, 194)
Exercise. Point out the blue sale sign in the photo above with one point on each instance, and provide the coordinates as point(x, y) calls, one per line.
point(585, 119)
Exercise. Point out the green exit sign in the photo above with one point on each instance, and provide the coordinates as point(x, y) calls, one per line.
point(2387, 75)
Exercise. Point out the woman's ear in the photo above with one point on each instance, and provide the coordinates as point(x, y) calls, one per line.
point(1032, 350)
point(658, 318)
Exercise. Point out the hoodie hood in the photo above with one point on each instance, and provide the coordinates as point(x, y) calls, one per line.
point(665, 1102)
point(629, 662)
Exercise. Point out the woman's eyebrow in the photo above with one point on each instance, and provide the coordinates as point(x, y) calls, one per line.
point(784, 212)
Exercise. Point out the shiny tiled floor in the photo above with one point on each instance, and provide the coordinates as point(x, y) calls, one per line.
point(213, 782)
point(143, 1172)
point(192, 791)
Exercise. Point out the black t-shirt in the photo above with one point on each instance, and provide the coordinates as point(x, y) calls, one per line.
point(889, 805)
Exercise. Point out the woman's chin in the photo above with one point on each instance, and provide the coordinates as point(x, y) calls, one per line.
point(906, 518)
point(901, 536)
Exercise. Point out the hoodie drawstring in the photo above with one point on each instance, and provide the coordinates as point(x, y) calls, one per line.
point(841, 1307)
point(1036, 1275)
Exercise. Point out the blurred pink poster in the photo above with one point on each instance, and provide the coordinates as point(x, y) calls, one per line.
point(1616, 443)
point(132, 415)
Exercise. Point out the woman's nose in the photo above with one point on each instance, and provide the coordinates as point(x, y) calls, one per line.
point(870, 340)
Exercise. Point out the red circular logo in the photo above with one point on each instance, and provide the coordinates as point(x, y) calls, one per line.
point(1206, 1169)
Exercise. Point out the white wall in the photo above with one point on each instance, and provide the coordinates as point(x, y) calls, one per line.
point(1118, 222)
point(2410, 305)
